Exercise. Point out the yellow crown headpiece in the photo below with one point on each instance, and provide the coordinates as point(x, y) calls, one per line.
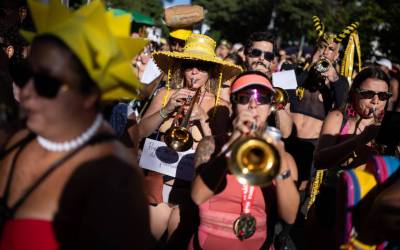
point(353, 44)
point(99, 39)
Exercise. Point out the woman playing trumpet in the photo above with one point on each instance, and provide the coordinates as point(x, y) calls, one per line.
point(196, 68)
point(225, 205)
point(347, 141)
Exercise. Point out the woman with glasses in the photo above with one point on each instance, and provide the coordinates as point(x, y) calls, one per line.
point(347, 141)
point(195, 69)
point(66, 182)
point(232, 215)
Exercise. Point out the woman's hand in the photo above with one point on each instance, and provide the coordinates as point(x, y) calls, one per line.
point(369, 133)
point(177, 99)
point(331, 74)
point(242, 125)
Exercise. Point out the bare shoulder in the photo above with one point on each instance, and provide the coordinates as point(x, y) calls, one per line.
point(112, 147)
point(223, 102)
point(204, 150)
point(332, 123)
point(18, 136)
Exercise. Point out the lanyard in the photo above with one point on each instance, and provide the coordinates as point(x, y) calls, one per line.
point(247, 198)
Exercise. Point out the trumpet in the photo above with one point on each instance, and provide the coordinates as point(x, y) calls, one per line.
point(322, 65)
point(254, 160)
point(316, 79)
point(281, 98)
point(178, 136)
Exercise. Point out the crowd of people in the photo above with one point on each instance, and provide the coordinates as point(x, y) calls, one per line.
point(111, 141)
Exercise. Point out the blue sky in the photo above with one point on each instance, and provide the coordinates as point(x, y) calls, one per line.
point(168, 3)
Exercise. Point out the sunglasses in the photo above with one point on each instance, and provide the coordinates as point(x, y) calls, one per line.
point(369, 94)
point(202, 66)
point(245, 97)
point(45, 85)
point(173, 42)
point(253, 52)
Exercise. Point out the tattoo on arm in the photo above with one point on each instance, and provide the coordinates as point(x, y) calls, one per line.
point(204, 151)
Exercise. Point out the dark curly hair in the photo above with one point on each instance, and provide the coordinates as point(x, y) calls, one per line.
point(258, 37)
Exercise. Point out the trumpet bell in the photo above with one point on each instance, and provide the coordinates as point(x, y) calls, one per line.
point(178, 138)
point(254, 161)
point(281, 98)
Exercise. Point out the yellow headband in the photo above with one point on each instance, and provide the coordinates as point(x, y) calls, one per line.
point(100, 40)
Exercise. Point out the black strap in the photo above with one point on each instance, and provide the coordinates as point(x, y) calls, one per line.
point(20, 143)
point(96, 139)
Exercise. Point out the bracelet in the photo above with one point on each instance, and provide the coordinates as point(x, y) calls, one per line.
point(282, 176)
point(163, 113)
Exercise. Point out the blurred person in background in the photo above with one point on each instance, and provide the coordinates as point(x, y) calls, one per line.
point(223, 49)
point(66, 183)
point(387, 66)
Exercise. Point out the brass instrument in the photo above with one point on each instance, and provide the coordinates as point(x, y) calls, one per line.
point(316, 79)
point(254, 160)
point(281, 98)
point(322, 65)
point(178, 136)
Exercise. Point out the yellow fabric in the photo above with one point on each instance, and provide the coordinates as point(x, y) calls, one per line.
point(366, 180)
point(100, 40)
point(316, 184)
point(181, 34)
point(168, 87)
point(355, 244)
point(197, 47)
point(348, 59)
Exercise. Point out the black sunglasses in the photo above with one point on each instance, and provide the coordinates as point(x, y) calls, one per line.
point(244, 98)
point(200, 65)
point(369, 94)
point(45, 85)
point(253, 52)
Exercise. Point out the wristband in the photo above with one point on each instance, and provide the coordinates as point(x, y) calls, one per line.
point(282, 176)
point(163, 113)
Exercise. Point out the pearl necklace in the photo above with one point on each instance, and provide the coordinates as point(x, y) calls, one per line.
point(74, 143)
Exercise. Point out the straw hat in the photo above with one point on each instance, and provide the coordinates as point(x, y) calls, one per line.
point(99, 39)
point(197, 47)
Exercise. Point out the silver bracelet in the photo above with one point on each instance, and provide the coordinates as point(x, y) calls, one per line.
point(163, 113)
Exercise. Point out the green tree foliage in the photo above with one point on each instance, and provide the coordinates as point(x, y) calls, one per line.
point(153, 8)
point(236, 19)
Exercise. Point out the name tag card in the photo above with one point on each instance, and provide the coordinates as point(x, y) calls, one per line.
point(284, 79)
point(158, 157)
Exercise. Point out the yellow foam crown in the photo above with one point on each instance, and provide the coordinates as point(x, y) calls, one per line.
point(98, 38)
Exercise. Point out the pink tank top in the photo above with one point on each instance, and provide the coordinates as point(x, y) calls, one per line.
point(28, 234)
point(219, 212)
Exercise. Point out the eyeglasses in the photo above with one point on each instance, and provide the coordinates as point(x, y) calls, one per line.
point(45, 85)
point(200, 65)
point(253, 52)
point(244, 98)
point(369, 94)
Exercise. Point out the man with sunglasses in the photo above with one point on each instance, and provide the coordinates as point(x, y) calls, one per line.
point(259, 56)
point(259, 52)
